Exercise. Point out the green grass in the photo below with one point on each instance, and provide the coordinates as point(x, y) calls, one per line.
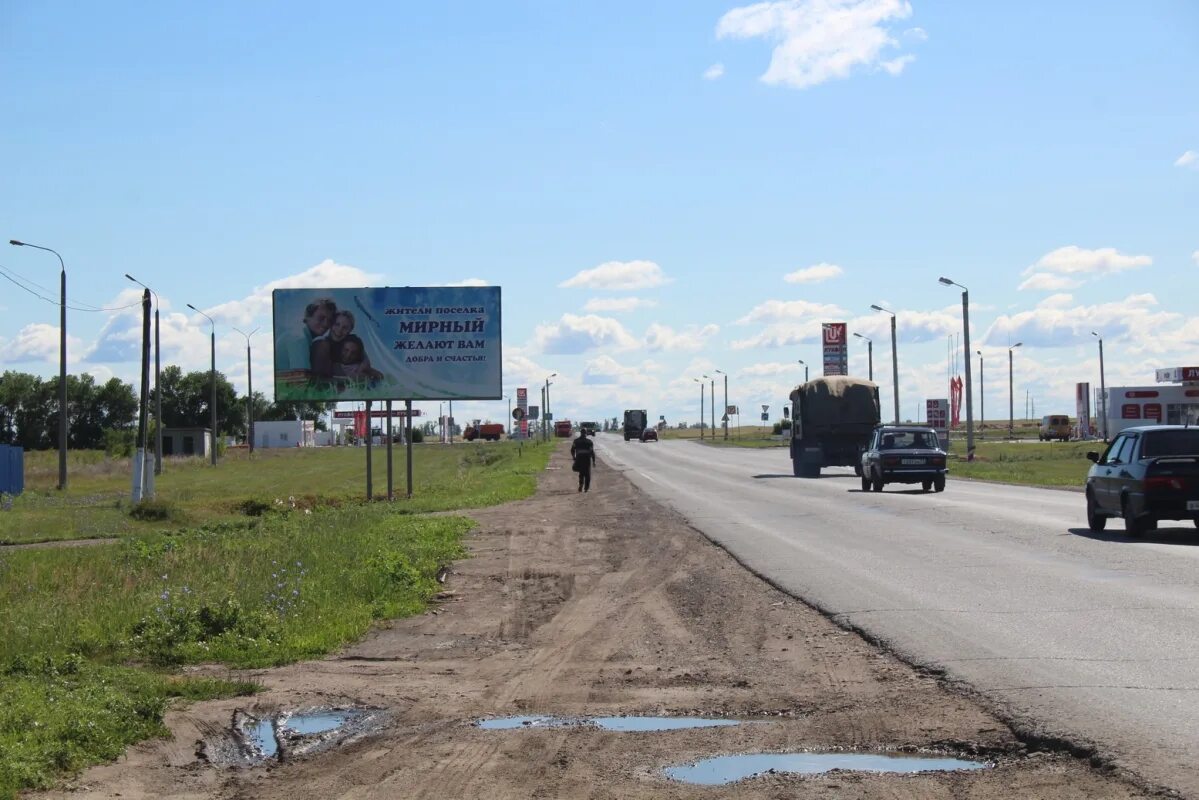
point(193, 492)
point(251, 564)
point(1030, 463)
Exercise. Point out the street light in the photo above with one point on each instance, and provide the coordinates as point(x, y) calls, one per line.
point(157, 379)
point(725, 418)
point(62, 361)
point(966, 350)
point(869, 355)
point(1102, 384)
point(805, 370)
point(982, 396)
point(250, 390)
point(1011, 417)
point(211, 377)
point(508, 423)
point(894, 359)
point(701, 407)
point(545, 412)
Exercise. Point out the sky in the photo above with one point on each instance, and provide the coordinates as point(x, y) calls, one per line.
point(662, 190)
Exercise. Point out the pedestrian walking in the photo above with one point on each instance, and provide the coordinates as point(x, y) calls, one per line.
point(582, 451)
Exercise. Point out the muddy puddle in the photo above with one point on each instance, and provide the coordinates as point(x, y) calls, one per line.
point(255, 738)
point(624, 724)
point(730, 769)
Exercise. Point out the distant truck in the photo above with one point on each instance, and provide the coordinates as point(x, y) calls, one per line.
point(831, 422)
point(562, 428)
point(489, 431)
point(635, 421)
point(589, 428)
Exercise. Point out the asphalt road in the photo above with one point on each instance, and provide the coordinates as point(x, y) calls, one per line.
point(1090, 637)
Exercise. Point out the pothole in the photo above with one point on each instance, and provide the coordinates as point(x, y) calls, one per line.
point(624, 724)
point(259, 738)
point(730, 769)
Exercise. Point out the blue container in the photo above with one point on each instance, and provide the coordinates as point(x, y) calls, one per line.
point(12, 469)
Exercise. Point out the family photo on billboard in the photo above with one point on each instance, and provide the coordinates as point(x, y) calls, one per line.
point(387, 343)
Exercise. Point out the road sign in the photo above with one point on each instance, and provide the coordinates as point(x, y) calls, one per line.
point(765, 408)
point(534, 411)
point(549, 417)
point(765, 417)
point(518, 414)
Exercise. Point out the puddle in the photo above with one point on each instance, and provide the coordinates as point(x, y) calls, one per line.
point(623, 724)
point(729, 769)
point(254, 739)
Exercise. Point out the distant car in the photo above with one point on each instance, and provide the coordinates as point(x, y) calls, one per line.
point(649, 435)
point(903, 454)
point(1147, 473)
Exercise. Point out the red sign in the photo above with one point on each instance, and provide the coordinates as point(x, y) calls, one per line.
point(1190, 373)
point(1141, 393)
point(1130, 411)
point(1153, 411)
point(359, 423)
point(836, 348)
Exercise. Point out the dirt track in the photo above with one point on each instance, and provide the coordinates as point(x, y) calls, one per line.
point(604, 604)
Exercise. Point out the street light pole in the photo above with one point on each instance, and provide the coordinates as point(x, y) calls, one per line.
point(250, 391)
point(713, 410)
point(211, 377)
point(1011, 416)
point(545, 412)
point(805, 370)
point(982, 396)
point(1102, 384)
point(725, 417)
point(157, 378)
point(966, 350)
point(701, 407)
point(62, 361)
point(894, 359)
point(869, 355)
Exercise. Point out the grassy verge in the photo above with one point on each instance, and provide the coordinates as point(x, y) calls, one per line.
point(193, 492)
point(89, 636)
point(1029, 463)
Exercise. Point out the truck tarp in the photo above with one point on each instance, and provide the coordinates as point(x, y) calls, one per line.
point(838, 401)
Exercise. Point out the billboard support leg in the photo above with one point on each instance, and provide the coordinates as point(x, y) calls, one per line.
point(390, 492)
point(370, 489)
point(408, 438)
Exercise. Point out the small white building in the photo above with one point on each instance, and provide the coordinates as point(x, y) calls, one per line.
point(1174, 400)
point(186, 441)
point(285, 433)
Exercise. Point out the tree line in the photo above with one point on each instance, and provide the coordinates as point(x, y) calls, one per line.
point(104, 416)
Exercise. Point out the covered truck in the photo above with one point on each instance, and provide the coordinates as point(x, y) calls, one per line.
point(635, 421)
point(491, 431)
point(831, 422)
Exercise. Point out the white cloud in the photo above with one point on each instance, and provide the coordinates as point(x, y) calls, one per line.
point(791, 311)
point(574, 334)
point(1054, 323)
point(767, 369)
point(1195, 257)
point(607, 371)
point(814, 274)
point(1188, 159)
point(257, 305)
point(895, 66)
point(1073, 260)
point(36, 342)
point(471, 282)
point(819, 40)
point(713, 72)
point(1049, 282)
point(916, 34)
point(689, 339)
point(619, 275)
point(617, 305)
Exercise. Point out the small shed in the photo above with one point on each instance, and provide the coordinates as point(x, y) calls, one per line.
point(285, 433)
point(186, 441)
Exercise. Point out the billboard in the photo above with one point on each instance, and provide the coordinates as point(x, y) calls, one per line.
point(389, 343)
point(836, 348)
